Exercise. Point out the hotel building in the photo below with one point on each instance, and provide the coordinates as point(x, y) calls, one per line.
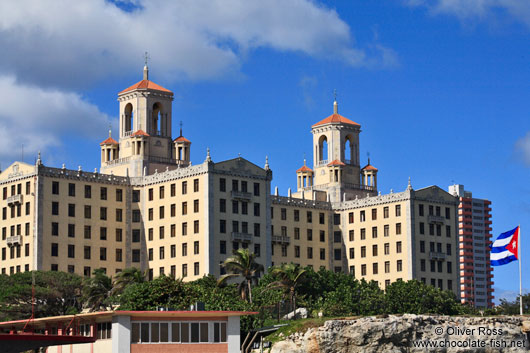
point(149, 207)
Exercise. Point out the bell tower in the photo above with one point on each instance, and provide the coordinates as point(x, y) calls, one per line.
point(145, 143)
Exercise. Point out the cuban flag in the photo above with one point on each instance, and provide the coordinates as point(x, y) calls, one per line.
point(504, 249)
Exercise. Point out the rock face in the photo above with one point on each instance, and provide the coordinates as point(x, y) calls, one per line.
point(411, 333)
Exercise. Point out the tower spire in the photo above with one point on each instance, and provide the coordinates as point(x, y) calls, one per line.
point(180, 128)
point(335, 104)
point(146, 68)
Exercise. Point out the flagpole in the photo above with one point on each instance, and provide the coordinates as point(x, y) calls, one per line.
point(520, 276)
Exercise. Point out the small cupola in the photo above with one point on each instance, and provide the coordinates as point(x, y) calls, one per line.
point(369, 176)
point(109, 149)
point(182, 149)
point(304, 177)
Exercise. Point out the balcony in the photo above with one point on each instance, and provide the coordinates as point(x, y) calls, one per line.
point(243, 237)
point(241, 195)
point(436, 219)
point(14, 240)
point(437, 255)
point(282, 239)
point(14, 200)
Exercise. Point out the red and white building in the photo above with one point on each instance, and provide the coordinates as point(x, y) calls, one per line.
point(127, 332)
point(474, 229)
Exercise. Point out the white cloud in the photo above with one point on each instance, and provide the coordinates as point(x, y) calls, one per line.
point(522, 148)
point(65, 43)
point(39, 118)
point(478, 9)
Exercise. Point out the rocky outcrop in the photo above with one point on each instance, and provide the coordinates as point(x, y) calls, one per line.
point(410, 333)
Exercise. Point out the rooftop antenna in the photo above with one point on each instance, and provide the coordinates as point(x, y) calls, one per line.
point(368, 154)
point(335, 104)
point(146, 68)
point(180, 128)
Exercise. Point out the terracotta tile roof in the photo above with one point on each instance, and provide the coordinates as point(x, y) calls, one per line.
point(335, 162)
point(109, 141)
point(140, 133)
point(181, 138)
point(336, 119)
point(146, 84)
point(304, 169)
point(370, 167)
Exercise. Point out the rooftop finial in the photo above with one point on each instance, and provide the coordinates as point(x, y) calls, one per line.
point(304, 159)
point(39, 161)
point(368, 154)
point(267, 163)
point(146, 68)
point(110, 130)
point(180, 128)
point(409, 186)
point(335, 104)
point(208, 158)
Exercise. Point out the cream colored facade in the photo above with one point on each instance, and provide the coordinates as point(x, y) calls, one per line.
point(152, 209)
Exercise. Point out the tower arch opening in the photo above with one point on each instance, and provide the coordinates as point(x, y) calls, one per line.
point(128, 116)
point(322, 149)
point(156, 119)
point(348, 151)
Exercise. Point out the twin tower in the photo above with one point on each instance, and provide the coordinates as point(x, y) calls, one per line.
point(145, 146)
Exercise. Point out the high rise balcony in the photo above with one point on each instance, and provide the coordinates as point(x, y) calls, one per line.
point(437, 255)
point(281, 239)
point(14, 200)
point(241, 195)
point(243, 237)
point(14, 240)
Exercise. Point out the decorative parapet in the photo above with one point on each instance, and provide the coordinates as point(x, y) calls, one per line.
point(292, 201)
point(168, 175)
point(372, 201)
point(82, 175)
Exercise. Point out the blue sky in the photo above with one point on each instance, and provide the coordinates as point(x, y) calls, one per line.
point(440, 87)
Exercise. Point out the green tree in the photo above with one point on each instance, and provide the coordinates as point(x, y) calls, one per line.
point(125, 278)
point(242, 264)
point(56, 293)
point(289, 277)
point(96, 290)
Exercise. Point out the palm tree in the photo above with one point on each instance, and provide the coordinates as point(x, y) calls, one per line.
point(125, 278)
point(290, 276)
point(243, 264)
point(96, 289)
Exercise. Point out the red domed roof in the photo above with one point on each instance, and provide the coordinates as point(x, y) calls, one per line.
point(304, 169)
point(109, 141)
point(335, 162)
point(146, 84)
point(336, 119)
point(140, 133)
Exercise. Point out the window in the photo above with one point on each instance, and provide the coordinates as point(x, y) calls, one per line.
point(195, 227)
point(363, 233)
point(448, 231)
point(398, 247)
point(184, 208)
point(136, 235)
point(431, 229)
point(374, 232)
point(374, 214)
point(309, 252)
point(150, 194)
point(350, 217)
point(196, 273)
point(310, 234)
point(296, 215)
point(420, 210)
point(337, 237)
point(88, 211)
point(375, 269)
point(448, 249)
point(161, 253)
point(235, 185)
point(398, 228)
point(323, 236)
point(431, 210)
point(55, 229)
point(387, 248)
point(103, 193)
point(136, 196)
point(336, 219)
point(71, 230)
point(244, 207)
point(161, 212)
point(363, 270)
point(103, 213)
point(184, 228)
point(322, 254)
point(321, 218)
point(55, 249)
point(352, 253)
point(283, 214)
point(119, 215)
point(71, 210)
point(173, 190)
point(161, 192)
point(256, 209)
point(256, 189)
point(71, 251)
point(284, 250)
point(195, 185)
point(385, 212)
point(422, 228)
point(398, 210)
point(103, 233)
point(449, 267)
point(337, 254)
point(136, 216)
point(422, 265)
point(28, 187)
point(71, 189)
point(161, 232)
point(363, 216)
point(374, 250)
point(297, 233)
point(103, 254)
point(28, 208)
point(119, 234)
point(173, 230)
point(136, 255)
point(222, 184)
point(351, 235)
point(184, 270)
point(55, 187)
point(235, 207)
point(387, 266)
point(399, 265)
point(195, 247)
point(222, 247)
point(438, 210)
point(309, 217)
point(184, 249)
point(422, 246)
point(447, 213)
point(222, 205)
point(150, 254)
point(296, 251)
point(88, 192)
point(363, 251)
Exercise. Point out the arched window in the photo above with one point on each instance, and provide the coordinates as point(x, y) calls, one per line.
point(128, 116)
point(323, 149)
point(349, 150)
point(156, 121)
